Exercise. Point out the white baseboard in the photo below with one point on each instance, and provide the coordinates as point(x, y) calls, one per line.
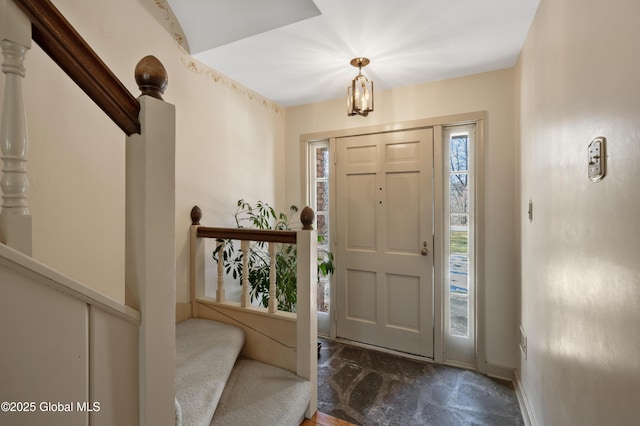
point(499, 371)
point(511, 374)
point(183, 311)
point(523, 401)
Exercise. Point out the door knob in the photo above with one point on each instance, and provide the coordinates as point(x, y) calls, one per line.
point(425, 250)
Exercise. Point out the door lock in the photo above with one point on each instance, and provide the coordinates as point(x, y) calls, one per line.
point(425, 250)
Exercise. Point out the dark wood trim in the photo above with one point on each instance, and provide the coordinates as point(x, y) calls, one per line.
point(289, 237)
point(55, 35)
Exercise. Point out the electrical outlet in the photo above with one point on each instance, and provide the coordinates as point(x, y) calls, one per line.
point(522, 342)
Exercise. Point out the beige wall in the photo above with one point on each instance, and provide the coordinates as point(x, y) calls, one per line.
point(229, 145)
point(578, 78)
point(491, 92)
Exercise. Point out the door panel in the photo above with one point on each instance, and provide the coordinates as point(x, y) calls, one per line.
point(403, 212)
point(404, 292)
point(361, 212)
point(361, 296)
point(385, 218)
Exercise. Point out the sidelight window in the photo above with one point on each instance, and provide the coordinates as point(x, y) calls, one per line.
point(459, 225)
point(319, 200)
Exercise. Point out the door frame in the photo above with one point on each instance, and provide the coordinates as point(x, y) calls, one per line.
point(437, 123)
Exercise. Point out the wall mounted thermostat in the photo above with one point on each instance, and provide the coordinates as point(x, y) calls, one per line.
point(597, 159)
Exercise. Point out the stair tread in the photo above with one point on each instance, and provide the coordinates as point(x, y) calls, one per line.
point(262, 394)
point(206, 352)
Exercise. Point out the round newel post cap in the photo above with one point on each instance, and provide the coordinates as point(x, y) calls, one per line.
point(306, 217)
point(196, 215)
point(151, 77)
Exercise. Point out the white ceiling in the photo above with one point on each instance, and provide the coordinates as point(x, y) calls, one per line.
point(291, 55)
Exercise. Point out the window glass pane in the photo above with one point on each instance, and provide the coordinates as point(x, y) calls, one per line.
point(459, 153)
point(459, 241)
point(459, 295)
point(323, 294)
point(459, 269)
point(324, 284)
point(459, 193)
point(322, 196)
point(322, 162)
point(322, 229)
point(319, 174)
point(459, 314)
point(459, 220)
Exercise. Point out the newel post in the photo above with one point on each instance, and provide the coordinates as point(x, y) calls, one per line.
point(307, 323)
point(15, 219)
point(150, 242)
point(197, 259)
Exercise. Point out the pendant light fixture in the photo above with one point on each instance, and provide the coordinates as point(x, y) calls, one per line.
point(360, 93)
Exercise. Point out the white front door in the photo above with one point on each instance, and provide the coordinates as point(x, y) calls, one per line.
point(384, 205)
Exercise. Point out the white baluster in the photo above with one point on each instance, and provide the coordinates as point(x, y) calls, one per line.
point(15, 219)
point(273, 301)
point(244, 299)
point(220, 291)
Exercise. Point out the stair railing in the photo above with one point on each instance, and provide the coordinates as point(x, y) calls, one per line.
point(305, 318)
point(149, 124)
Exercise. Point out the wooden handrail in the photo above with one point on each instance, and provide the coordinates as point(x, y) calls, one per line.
point(248, 234)
point(306, 217)
point(55, 35)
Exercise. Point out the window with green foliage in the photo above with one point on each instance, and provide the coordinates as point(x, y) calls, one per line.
point(319, 201)
point(459, 225)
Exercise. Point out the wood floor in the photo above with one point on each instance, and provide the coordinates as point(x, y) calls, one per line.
point(321, 419)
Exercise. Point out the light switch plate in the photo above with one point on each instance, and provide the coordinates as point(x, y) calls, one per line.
point(597, 159)
point(522, 342)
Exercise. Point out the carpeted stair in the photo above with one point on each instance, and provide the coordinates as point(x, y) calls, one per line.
point(213, 387)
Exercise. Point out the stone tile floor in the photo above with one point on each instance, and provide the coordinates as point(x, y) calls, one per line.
point(367, 387)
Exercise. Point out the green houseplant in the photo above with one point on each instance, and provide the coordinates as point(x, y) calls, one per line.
point(263, 216)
